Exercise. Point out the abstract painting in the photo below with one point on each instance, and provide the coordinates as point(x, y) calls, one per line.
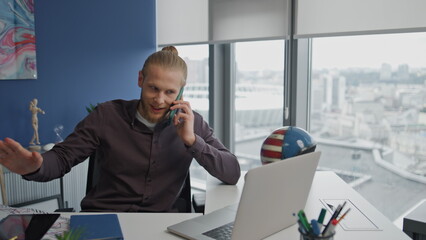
point(17, 40)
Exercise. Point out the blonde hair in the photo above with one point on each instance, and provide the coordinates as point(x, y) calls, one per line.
point(169, 58)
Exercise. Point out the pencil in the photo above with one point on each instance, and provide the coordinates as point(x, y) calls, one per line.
point(344, 214)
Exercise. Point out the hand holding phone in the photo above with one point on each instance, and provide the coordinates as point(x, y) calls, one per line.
point(185, 124)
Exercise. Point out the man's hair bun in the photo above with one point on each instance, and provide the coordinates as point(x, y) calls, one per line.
point(167, 57)
point(170, 49)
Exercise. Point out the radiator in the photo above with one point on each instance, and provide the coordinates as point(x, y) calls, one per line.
point(19, 191)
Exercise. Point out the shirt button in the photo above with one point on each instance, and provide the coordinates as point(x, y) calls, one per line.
point(149, 179)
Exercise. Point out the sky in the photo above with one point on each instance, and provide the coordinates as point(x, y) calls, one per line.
point(369, 51)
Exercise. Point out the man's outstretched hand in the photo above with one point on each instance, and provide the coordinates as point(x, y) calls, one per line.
point(18, 159)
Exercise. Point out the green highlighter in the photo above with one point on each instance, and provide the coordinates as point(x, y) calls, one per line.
point(322, 215)
point(304, 221)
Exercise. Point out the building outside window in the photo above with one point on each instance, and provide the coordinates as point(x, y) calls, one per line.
point(258, 97)
point(368, 114)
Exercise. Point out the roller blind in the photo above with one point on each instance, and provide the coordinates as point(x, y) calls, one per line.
point(182, 21)
point(212, 21)
point(353, 17)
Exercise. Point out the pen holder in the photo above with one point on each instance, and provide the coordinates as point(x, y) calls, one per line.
point(304, 236)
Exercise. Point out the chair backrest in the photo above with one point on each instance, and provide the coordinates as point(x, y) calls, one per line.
point(92, 173)
point(183, 202)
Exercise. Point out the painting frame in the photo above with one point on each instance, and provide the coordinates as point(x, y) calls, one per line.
point(17, 40)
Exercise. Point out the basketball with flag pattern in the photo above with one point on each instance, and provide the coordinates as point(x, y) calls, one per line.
point(286, 142)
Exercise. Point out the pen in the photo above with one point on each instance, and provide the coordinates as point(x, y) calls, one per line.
point(301, 227)
point(330, 230)
point(322, 215)
point(315, 227)
point(304, 220)
point(340, 210)
point(335, 215)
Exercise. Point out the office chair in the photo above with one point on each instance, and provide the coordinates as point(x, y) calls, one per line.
point(183, 203)
point(92, 173)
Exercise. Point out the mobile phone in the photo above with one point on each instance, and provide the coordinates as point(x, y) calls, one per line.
point(173, 112)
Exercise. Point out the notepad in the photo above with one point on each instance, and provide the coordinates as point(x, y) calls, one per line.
point(97, 226)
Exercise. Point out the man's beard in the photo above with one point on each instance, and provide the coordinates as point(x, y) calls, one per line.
point(145, 110)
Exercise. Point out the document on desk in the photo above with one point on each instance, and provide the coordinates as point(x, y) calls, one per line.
point(97, 226)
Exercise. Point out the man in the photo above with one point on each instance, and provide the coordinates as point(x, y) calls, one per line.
point(143, 155)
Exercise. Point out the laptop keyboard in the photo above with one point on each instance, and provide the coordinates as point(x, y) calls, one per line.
point(223, 232)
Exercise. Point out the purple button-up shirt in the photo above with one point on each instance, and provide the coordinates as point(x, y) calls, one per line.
point(140, 169)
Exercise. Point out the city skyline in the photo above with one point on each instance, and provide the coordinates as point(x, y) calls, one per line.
point(379, 138)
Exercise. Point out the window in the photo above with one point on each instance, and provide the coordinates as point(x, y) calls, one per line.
point(368, 115)
point(197, 93)
point(197, 83)
point(258, 97)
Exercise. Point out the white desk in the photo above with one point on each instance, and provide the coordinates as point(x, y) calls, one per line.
point(151, 225)
point(326, 185)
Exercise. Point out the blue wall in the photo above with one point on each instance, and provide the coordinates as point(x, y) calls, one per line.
point(88, 51)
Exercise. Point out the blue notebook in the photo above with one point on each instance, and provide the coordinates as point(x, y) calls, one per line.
point(97, 226)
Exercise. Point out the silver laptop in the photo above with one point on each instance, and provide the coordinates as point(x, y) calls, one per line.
point(271, 195)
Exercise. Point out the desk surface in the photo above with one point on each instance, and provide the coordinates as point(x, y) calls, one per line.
point(327, 186)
